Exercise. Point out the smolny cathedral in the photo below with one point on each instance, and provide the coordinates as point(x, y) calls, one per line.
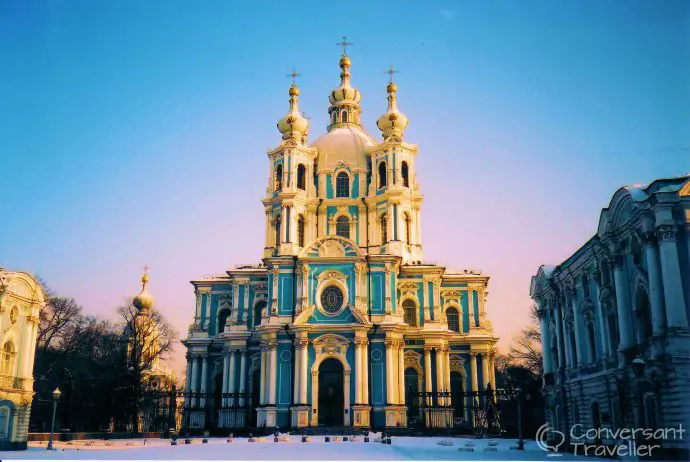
point(342, 322)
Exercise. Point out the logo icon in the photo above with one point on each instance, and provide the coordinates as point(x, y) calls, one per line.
point(557, 438)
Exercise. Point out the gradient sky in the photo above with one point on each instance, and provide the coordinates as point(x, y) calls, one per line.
point(135, 132)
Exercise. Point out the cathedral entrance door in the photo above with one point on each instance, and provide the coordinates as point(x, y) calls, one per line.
point(331, 399)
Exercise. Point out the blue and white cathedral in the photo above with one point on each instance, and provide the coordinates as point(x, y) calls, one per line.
point(342, 321)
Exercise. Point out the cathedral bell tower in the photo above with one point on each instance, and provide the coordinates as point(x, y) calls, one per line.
point(290, 182)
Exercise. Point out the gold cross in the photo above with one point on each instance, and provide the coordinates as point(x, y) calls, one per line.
point(344, 43)
point(390, 71)
point(294, 76)
point(146, 269)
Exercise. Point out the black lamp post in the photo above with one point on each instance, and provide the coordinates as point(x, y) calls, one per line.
point(521, 441)
point(56, 397)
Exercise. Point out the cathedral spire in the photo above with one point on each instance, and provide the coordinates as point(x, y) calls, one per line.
point(294, 126)
point(392, 122)
point(345, 99)
point(144, 301)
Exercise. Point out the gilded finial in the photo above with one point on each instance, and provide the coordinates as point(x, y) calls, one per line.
point(145, 276)
point(391, 88)
point(344, 43)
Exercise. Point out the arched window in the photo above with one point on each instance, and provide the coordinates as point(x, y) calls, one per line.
point(591, 341)
point(344, 115)
point(453, 319)
point(605, 274)
point(277, 236)
point(612, 324)
point(316, 177)
point(342, 227)
point(301, 177)
point(384, 229)
point(644, 316)
point(408, 235)
point(8, 358)
point(223, 320)
point(300, 231)
point(410, 313)
point(405, 175)
point(259, 313)
point(335, 116)
point(342, 185)
point(573, 346)
point(382, 175)
point(279, 178)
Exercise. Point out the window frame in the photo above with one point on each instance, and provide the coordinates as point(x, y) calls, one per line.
point(339, 177)
point(347, 221)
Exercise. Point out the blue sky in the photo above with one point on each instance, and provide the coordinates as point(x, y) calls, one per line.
point(135, 132)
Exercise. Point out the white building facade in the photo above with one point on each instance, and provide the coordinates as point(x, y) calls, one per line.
point(614, 317)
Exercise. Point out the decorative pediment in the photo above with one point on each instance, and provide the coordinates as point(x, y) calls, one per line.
point(303, 317)
point(326, 275)
point(413, 360)
point(451, 294)
point(408, 289)
point(457, 364)
point(332, 247)
point(331, 344)
point(260, 288)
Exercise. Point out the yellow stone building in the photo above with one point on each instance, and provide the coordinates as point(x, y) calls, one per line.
point(21, 300)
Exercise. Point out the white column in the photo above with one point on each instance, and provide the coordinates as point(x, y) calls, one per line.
point(298, 374)
point(226, 374)
point(262, 388)
point(273, 374)
point(656, 290)
point(32, 357)
point(23, 370)
point(622, 304)
point(304, 370)
point(581, 356)
point(243, 374)
point(560, 337)
point(365, 374)
point(485, 370)
point(600, 314)
point(545, 338)
point(204, 380)
point(492, 370)
point(195, 374)
point(358, 371)
point(283, 224)
point(427, 369)
point(440, 385)
point(470, 308)
point(670, 271)
point(473, 371)
point(390, 397)
point(446, 372)
point(231, 380)
point(401, 373)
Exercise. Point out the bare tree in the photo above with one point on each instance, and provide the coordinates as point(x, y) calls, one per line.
point(150, 338)
point(58, 321)
point(526, 350)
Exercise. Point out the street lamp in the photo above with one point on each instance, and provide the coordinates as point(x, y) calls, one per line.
point(56, 397)
point(638, 366)
point(521, 441)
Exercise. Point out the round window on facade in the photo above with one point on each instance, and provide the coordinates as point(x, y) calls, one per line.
point(332, 299)
point(14, 314)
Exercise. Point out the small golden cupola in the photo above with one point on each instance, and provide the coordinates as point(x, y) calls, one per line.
point(345, 99)
point(144, 301)
point(294, 126)
point(392, 122)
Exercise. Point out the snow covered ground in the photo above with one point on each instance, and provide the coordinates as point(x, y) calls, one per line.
point(403, 448)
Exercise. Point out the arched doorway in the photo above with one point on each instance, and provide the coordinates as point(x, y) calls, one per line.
point(256, 394)
point(331, 400)
point(412, 394)
point(457, 395)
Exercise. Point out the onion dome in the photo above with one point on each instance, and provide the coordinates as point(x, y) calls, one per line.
point(294, 125)
point(143, 301)
point(345, 93)
point(392, 122)
point(344, 109)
